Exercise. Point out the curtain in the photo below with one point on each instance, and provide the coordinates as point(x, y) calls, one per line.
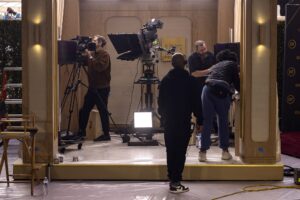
point(60, 17)
point(237, 20)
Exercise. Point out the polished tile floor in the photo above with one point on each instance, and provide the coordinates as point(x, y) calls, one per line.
point(149, 190)
point(117, 152)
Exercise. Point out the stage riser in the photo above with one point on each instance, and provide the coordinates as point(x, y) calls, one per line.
point(158, 172)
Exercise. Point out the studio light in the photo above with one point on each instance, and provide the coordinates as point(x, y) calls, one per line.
point(143, 120)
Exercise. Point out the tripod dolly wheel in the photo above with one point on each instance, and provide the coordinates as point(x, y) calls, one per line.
point(125, 138)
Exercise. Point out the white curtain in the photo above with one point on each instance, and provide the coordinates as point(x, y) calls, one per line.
point(237, 20)
point(60, 17)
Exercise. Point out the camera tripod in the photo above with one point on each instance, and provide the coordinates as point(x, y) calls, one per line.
point(66, 136)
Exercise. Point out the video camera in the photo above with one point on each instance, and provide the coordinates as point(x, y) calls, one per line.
point(142, 44)
point(83, 43)
point(71, 51)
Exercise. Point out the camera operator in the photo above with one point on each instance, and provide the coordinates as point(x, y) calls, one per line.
point(198, 62)
point(11, 14)
point(99, 76)
point(176, 102)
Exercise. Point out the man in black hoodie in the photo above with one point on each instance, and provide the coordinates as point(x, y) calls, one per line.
point(176, 102)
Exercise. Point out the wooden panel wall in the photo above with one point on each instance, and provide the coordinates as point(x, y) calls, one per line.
point(196, 20)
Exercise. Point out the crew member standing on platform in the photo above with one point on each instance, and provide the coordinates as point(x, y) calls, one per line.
point(176, 102)
point(12, 15)
point(198, 61)
point(221, 83)
point(99, 76)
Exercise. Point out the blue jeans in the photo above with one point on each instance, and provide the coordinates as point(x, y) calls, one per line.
point(212, 105)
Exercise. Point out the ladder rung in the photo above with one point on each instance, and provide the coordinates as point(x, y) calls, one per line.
point(13, 101)
point(14, 115)
point(12, 68)
point(8, 85)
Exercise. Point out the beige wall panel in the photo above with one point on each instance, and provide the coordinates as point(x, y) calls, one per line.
point(40, 73)
point(191, 19)
point(124, 73)
point(71, 21)
point(258, 96)
point(37, 61)
point(261, 73)
point(225, 20)
point(71, 28)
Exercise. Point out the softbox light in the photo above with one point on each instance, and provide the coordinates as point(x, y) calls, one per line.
point(143, 120)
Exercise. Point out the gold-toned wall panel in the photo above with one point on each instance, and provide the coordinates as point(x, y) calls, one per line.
point(258, 95)
point(260, 71)
point(40, 72)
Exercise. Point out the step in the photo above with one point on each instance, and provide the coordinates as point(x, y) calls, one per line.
point(12, 69)
point(13, 85)
point(13, 101)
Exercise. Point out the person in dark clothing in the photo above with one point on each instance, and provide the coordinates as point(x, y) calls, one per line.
point(99, 76)
point(221, 83)
point(176, 102)
point(198, 61)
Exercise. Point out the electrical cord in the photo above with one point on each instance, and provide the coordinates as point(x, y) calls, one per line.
point(132, 90)
point(288, 171)
point(264, 188)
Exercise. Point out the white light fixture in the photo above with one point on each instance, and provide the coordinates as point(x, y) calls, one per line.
point(142, 119)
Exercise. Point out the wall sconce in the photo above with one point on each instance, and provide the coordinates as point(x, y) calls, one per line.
point(36, 33)
point(261, 34)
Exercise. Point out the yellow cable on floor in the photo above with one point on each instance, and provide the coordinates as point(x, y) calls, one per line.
point(249, 189)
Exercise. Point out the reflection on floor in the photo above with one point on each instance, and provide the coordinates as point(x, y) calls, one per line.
point(143, 190)
point(116, 152)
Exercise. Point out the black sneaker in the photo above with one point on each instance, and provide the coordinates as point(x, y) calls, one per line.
point(178, 188)
point(102, 138)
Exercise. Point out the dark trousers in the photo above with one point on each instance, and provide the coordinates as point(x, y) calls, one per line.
point(176, 146)
point(212, 105)
point(98, 97)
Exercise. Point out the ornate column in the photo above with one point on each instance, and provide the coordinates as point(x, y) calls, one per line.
point(258, 74)
point(39, 54)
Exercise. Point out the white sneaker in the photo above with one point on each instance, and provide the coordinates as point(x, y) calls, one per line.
point(226, 155)
point(202, 156)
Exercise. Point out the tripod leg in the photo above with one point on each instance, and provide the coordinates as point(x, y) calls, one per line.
point(69, 87)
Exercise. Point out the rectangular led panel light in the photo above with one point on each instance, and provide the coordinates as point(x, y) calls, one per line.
point(142, 119)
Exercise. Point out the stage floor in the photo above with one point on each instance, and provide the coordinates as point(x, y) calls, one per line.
point(116, 152)
point(114, 160)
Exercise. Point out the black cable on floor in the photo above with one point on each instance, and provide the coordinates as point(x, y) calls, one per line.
point(288, 171)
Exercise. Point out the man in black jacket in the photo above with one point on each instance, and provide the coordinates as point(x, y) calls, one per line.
point(176, 102)
point(222, 80)
point(200, 60)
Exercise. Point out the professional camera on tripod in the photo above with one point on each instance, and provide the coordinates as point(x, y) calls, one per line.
point(144, 46)
point(72, 52)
